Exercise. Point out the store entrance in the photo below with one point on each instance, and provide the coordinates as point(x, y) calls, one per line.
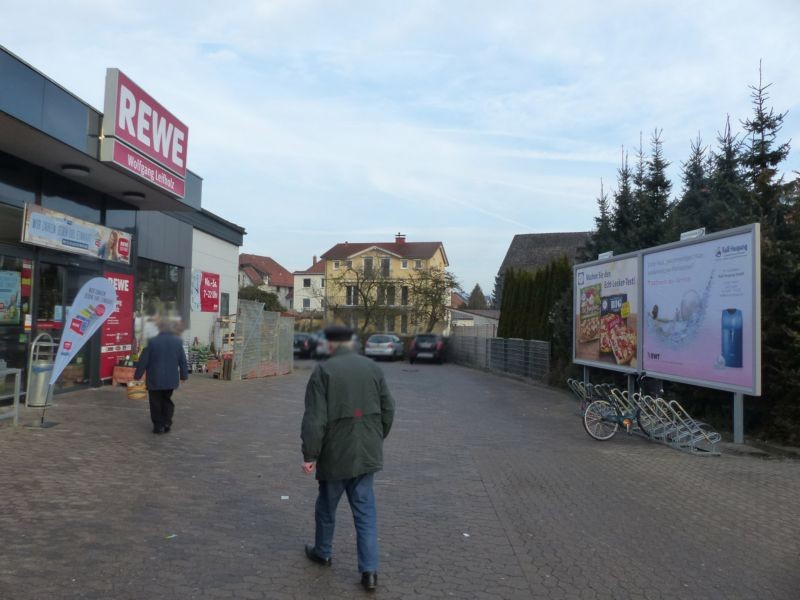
point(58, 285)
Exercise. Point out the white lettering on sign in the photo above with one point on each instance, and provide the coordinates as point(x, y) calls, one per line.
point(119, 284)
point(147, 126)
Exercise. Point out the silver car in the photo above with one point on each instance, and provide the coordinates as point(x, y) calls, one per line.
point(384, 345)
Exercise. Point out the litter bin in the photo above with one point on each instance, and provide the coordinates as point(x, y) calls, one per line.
point(40, 368)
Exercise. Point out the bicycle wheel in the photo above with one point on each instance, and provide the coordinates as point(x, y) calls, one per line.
point(646, 423)
point(596, 420)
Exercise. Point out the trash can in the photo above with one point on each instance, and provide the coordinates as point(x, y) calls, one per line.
point(38, 383)
point(40, 368)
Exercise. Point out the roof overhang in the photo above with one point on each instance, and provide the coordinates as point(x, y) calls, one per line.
point(38, 148)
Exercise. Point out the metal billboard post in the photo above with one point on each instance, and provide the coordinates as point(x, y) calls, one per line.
point(738, 418)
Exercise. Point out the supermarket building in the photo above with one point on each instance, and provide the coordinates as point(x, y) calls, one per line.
point(82, 195)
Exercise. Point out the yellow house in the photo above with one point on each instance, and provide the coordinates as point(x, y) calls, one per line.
point(401, 287)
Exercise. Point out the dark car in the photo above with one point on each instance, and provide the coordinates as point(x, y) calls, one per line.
point(303, 345)
point(427, 346)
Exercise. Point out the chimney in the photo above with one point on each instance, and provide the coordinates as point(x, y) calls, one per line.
point(400, 238)
point(314, 261)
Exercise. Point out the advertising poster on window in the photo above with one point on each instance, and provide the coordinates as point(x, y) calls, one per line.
point(606, 314)
point(10, 297)
point(205, 291)
point(116, 337)
point(52, 229)
point(702, 321)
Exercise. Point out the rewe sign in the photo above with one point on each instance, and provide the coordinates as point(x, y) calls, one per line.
point(141, 136)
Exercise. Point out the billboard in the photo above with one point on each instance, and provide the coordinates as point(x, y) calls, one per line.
point(606, 313)
point(702, 311)
point(205, 291)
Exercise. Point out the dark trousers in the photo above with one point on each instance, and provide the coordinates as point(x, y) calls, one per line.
point(161, 408)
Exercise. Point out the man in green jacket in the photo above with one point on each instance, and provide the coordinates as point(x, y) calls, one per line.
point(348, 414)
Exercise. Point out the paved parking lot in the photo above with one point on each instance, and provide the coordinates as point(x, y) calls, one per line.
point(491, 490)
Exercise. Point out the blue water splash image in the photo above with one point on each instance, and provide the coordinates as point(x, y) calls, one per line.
point(677, 333)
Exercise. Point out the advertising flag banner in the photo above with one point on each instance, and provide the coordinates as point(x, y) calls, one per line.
point(702, 317)
point(606, 314)
point(93, 305)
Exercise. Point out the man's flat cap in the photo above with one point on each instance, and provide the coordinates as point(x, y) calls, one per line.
point(337, 333)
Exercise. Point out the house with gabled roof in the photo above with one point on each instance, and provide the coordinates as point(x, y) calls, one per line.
point(266, 274)
point(371, 285)
point(309, 287)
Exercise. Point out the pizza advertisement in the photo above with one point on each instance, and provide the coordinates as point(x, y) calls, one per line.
point(606, 314)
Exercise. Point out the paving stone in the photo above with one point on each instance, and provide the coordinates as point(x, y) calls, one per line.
point(491, 490)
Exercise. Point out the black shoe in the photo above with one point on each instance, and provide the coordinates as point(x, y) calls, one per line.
point(167, 428)
point(312, 555)
point(369, 580)
point(158, 430)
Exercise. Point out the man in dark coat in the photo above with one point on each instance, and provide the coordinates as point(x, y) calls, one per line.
point(164, 361)
point(348, 413)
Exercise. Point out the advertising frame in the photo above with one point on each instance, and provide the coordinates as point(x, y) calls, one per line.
point(754, 231)
point(576, 318)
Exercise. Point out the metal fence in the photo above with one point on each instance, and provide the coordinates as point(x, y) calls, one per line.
point(524, 358)
point(263, 342)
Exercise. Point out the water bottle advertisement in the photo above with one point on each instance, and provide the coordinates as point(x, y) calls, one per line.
point(701, 312)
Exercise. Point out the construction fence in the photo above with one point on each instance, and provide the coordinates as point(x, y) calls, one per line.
point(263, 342)
point(529, 359)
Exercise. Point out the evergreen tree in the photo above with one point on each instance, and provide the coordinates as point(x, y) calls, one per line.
point(477, 299)
point(602, 239)
point(653, 195)
point(497, 293)
point(690, 211)
point(777, 208)
point(730, 203)
point(623, 214)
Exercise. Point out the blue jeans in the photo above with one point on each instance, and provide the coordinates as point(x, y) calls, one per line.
point(362, 503)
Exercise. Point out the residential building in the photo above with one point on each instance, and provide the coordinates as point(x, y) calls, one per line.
point(387, 286)
point(266, 274)
point(309, 287)
point(533, 251)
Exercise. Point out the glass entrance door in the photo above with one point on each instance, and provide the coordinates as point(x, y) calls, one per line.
point(58, 286)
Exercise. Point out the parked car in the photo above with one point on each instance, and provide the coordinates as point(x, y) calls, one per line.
point(429, 346)
point(303, 346)
point(321, 348)
point(384, 345)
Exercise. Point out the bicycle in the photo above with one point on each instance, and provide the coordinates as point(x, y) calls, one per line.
point(602, 418)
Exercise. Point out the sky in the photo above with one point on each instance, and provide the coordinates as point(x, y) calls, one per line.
point(316, 122)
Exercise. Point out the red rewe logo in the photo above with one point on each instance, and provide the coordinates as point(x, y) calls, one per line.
point(123, 246)
point(67, 345)
point(358, 413)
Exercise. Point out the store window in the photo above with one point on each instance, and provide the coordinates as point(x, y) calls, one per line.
point(70, 198)
point(224, 304)
point(17, 182)
point(159, 290)
point(120, 215)
point(15, 306)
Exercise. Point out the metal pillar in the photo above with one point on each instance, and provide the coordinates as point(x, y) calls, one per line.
point(738, 418)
